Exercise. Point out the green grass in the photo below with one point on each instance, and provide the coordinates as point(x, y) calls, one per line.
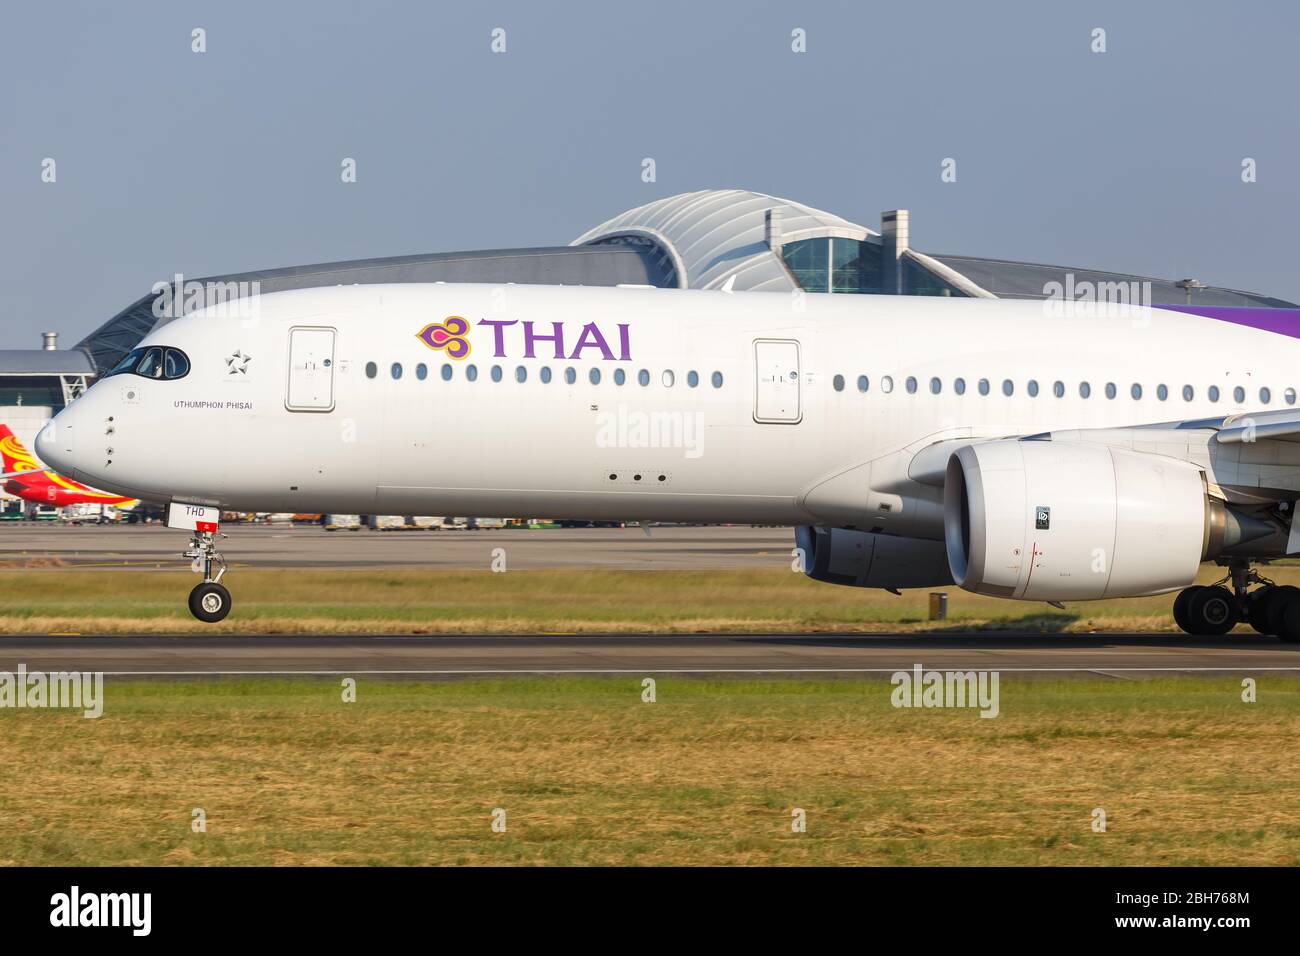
point(708, 774)
point(46, 601)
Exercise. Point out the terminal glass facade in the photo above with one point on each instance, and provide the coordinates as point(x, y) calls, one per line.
point(827, 264)
point(22, 390)
point(918, 280)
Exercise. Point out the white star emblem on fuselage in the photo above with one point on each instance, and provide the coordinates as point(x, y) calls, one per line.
point(237, 364)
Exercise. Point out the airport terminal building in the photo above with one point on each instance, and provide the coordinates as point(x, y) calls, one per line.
point(709, 239)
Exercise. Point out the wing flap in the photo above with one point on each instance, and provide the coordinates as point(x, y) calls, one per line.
point(1272, 426)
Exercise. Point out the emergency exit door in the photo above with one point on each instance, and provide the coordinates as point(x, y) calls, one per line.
point(776, 395)
point(311, 370)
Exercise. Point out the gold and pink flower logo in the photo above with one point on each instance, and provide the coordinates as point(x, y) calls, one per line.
point(447, 336)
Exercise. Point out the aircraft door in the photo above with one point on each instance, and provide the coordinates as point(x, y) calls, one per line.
point(777, 385)
point(311, 369)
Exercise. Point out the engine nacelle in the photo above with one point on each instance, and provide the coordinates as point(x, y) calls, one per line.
point(1060, 521)
point(865, 560)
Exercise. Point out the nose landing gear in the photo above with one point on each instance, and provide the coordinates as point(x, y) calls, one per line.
point(1218, 608)
point(209, 601)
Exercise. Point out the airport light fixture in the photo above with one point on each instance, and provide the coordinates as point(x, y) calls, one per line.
point(1188, 285)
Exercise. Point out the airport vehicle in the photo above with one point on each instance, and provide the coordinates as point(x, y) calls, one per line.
point(89, 514)
point(47, 489)
point(341, 522)
point(1058, 451)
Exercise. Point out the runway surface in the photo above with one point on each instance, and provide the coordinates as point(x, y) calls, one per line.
point(1118, 656)
point(147, 547)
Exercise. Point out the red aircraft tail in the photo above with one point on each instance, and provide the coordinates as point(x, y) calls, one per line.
point(45, 487)
point(13, 456)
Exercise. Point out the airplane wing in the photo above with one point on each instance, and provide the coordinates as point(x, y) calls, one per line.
point(1261, 426)
point(1247, 458)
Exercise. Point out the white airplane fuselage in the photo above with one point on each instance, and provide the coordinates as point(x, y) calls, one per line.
point(277, 411)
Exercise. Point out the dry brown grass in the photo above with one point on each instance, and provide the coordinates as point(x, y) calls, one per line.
point(550, 601)
point(589, 774)
point(41, 562)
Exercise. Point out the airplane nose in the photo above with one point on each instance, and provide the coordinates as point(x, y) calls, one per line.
point(55, 443)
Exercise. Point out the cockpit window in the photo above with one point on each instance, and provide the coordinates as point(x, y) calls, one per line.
point(127, 363)
point(151, 366)
point(155, 361)
point(175, 364)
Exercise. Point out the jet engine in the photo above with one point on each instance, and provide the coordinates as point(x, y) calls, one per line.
point(1057, 521)
point(865, 560)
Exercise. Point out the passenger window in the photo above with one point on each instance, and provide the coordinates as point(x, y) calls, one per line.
point(496, 373)
point(959, 386)
point(887, 384)
point(911, 385)
point(984, 386)
point(1189, 393)
point(1289, 396)
point(471, 372)
point(837, 383)
point(862, 383)
point(1135, 390)
point(594, 376)
point(1265, 396)
point(692, 378)
point(643, 377)
point(1084, 389)
point(176, 365)
point(397, 370)
point(447, 372)
point(1008, 387)
point(546, 375)
point(620, 376)
point(936, 386)
point(1111, 391)
point(668, 378)
point(1058, 389)
point(1212, 392)
point(421, 371)
point(521, 374)
point(1162, 392)
point(1238, 394)
point(717, 380)
point(1032, 388)
point(570, 376)
point(371, 370)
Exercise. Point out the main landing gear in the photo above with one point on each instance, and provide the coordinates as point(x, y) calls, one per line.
point(1218, 608)
point(209, 601)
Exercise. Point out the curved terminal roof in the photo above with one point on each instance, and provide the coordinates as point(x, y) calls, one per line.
point(713, 235)
point(558, 265)
point(707, 239)
point(45, 362)
point(1025, 280)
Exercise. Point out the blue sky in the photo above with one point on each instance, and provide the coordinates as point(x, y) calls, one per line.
point(171, 161)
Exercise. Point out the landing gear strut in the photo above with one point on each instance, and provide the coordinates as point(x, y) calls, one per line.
point(209, 601)
point(1216, 609)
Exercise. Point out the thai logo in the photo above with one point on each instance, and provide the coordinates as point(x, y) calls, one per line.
point(447, 336)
